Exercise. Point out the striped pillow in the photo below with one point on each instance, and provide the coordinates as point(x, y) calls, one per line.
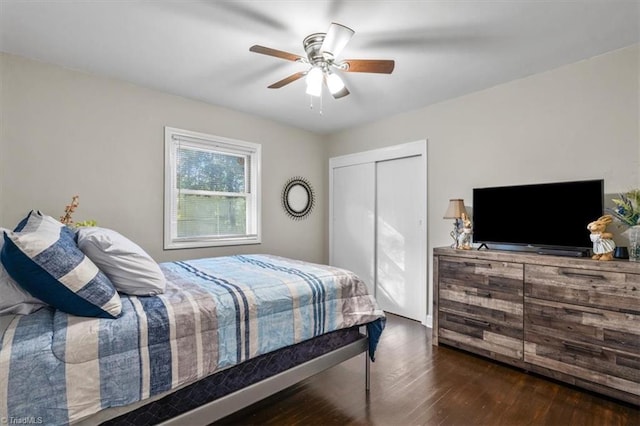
point(13, 299)
point(42, 257)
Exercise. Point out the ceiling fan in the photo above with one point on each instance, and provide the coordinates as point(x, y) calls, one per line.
point(322, 49)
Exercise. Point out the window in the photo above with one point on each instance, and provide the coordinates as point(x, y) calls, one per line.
point(212, 193)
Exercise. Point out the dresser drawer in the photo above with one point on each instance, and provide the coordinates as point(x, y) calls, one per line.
point(479, 268)
point(495, 288)
point(589, 343)
point(603, 289)
point(479, 335)
point(480, 306)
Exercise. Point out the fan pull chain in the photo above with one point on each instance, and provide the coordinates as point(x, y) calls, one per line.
point(311, 103)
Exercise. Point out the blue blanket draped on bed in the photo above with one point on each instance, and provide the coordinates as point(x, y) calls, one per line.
point(57, 368)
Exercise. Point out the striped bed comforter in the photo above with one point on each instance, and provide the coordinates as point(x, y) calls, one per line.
point(57, 368)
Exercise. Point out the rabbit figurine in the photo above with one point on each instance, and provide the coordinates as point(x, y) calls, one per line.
point(464, 237)
point(603, 244)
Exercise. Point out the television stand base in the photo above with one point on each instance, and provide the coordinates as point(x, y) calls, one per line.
point(565, 253)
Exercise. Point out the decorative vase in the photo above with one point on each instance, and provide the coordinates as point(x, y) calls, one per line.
point(633, 234)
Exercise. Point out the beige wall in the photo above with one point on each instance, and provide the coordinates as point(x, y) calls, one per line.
point(576, 122)
point(66, 132)
point(63, 132)
point(3, 166)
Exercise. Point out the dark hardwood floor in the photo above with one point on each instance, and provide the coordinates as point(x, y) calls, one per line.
point(414, 383)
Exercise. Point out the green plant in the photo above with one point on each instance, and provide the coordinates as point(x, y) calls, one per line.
point(86, 223)
point(627, 208)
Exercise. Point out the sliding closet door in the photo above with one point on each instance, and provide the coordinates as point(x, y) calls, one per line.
point(399, 228)
point(378, 224)
point(353, 226)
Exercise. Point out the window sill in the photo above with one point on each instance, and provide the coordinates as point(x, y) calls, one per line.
point(218, 242)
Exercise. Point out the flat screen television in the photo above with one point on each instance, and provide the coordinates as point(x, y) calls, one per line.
point(546, 216)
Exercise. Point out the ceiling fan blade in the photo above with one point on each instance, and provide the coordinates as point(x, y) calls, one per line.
point(336, 39)
point(277, 53)
point(382, 66)
point(287, 80)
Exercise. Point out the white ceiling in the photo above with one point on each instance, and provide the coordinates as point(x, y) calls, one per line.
point(200, 49)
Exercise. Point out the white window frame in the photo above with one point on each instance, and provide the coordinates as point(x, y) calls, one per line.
point(173, 138)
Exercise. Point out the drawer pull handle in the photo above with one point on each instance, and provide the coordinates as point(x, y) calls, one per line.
point(583, 349)
point(478, 293)
point(482, 265)
point(476, 322)
point(581, 275)
point(578, 312)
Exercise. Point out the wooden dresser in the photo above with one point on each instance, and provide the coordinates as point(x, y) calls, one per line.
point(573, 319)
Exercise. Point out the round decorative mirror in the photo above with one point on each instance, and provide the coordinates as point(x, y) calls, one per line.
point(297, 198)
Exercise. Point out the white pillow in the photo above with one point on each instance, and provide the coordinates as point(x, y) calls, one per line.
point(13, 299)
point(126, 264)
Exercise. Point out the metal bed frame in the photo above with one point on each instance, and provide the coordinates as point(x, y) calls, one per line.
point(235, 401)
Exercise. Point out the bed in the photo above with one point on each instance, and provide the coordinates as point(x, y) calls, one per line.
point(226, 332)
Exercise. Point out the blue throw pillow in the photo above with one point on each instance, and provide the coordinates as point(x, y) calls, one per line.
point(43, 258)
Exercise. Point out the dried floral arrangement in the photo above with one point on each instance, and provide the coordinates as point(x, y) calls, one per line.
point(68, 213)
point(627, 208)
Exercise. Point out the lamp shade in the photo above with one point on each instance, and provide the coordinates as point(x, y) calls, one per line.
point(335, 83)
point(455, 209)
point(336, 86)
point(314, 79)
point(336, 39)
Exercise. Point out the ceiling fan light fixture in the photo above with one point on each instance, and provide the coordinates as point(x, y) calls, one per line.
point(314, 81)
point(336, 39)
point(322, 50)
point(336, 85)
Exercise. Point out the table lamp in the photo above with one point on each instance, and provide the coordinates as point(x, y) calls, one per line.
point(455, 211)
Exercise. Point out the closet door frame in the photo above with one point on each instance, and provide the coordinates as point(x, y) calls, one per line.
point(410, 149)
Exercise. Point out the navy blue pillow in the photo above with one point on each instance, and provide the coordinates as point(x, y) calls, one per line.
point(43, 258)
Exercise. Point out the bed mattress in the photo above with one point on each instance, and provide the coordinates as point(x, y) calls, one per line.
point(235, 378)
point(57, 368)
